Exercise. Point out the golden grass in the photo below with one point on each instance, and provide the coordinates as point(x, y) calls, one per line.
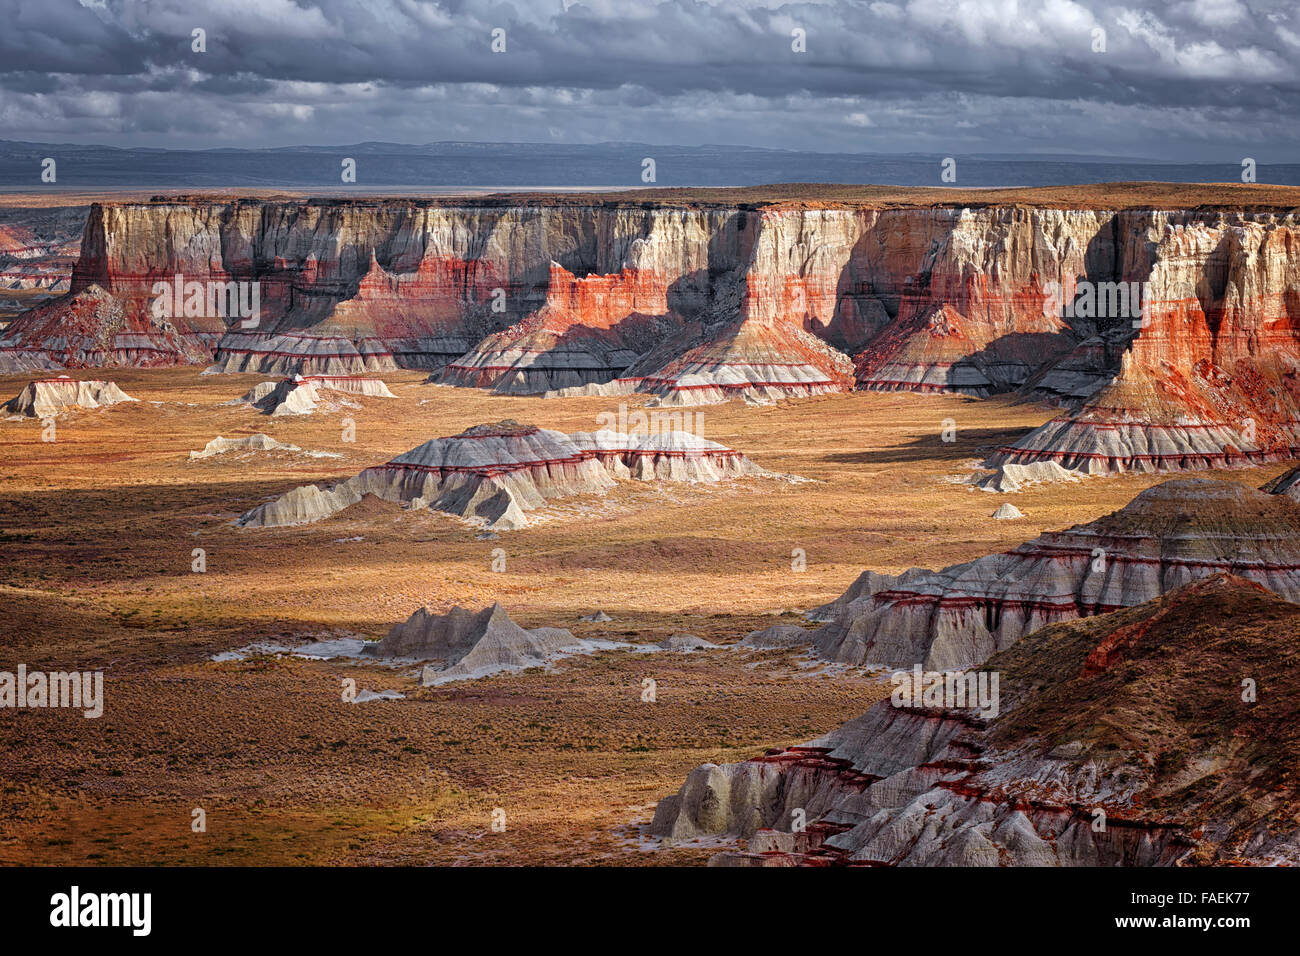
point(96, 535)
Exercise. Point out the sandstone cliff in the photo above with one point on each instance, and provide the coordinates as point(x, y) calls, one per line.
point(1210, 378)
point(707, 301)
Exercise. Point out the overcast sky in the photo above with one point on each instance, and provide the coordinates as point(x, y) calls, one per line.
point(1189, 80)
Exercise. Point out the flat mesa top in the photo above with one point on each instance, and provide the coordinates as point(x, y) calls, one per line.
point(1243, 197)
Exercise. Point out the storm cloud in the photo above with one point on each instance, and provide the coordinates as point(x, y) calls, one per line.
point(1190, 80)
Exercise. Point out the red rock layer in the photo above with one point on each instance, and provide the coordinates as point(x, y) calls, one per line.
point(90, 330)
point(1211, 378)
point(589, 331)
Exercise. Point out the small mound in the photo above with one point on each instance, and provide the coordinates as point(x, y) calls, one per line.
point(463, 644)
point(686, 644)
point(258, 442)
point(1007, 512)
point(45, 397)
point(1009, 477)
point(778, 636)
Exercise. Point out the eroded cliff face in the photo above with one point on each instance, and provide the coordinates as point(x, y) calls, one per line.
point(699, 303)
point(1210, 378)
point(1166, 537)
point(1120, 740)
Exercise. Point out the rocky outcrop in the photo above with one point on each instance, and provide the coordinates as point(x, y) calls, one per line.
point(1287, 484)
point(866, 584)
point(665, 456)
point(751, 361)
point(589, 330)
point(1169, 535)
point(495, 474)
point(303, 394)
point(258, 442)
point(464, 644)
point(91, 328)
point(1119, 740)
point(52, 396)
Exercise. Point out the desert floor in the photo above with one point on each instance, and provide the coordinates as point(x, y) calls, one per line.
point(97, 533)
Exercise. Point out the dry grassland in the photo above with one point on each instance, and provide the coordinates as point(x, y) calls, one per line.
point(97, 531)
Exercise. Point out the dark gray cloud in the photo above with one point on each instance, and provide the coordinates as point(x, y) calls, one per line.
point(1191, 79)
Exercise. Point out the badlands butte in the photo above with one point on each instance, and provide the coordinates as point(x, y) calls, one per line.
point(614, 507)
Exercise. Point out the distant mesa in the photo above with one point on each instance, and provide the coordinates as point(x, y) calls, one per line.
point(462, 644)
point(707, 301)
point(495, 474)
point(1167, 536)
point(38, 248)
point(1086, 759)
point(304, 394)
point(52, 396)
point(1168, 336)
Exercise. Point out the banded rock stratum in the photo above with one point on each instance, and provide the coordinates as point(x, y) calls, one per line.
point(1169, 535)
point(704, 301)
point(494, 474)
